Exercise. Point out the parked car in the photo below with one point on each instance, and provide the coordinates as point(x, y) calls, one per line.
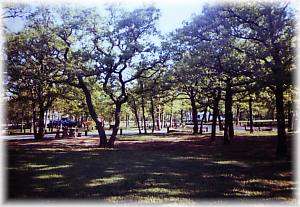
point(64, 122)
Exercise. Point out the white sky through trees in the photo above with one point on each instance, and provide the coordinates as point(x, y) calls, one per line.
point(173, 13)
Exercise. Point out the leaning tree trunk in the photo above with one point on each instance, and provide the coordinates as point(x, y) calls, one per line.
point(228, 128)
point(194, 113)
point(215, 115)
point(113, 136)
point(250, 115)
point(281, 142)
point(88, 99)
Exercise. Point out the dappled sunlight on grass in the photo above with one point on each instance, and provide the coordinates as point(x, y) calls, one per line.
point(231, 175)
point(170, 174)
point(51, 149)
point(35, 166)
point(105, 181)
point(285, 174)
point(191, 158)
point(271, 183)
point(39, 189)
point(54, 167)
point(148, 199)
point(49, 176)
point(232, 162)
point(256, 134)
point(248, 193)
point(163, 191)
point(164, 168)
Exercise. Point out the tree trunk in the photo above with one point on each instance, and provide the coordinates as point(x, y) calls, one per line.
point(52, 119)
point(194, 113)
point(237, 118)
point(290, 116)
point(135, 111)
point(41, 126)
point(209, 115)
point(281, 142)
point(221, 126)
point(215, 115)
point(116, 125)
point(228, 130)
point(171, 116)
point(22, 119)
point(250, 115)
point(144, 117)
point(202, 120)
point(88, 99)
point(162, 118)
point(152, 113)
point(46, 119)
point(126, 121)
point(181, 117)
point(34, 121)
point(158, 117)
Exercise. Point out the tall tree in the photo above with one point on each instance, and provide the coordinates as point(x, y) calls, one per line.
point(271, 34)
point(31, 70)
point(123, 43)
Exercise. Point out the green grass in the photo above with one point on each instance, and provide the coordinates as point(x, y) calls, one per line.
point(177, 168)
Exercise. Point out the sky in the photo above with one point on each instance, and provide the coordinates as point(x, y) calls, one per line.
point(173, 13)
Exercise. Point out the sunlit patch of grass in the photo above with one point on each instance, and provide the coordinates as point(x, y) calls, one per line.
point(137, 138)
point(161, 138)
point(261, 134)
point(231, 162)
point(268, 182)
point(230, 175)
point(191, 158)
point(282, 198)
point(39, 189)
point(49, 176)
point(285, 174)
point(12, 168)
point(55, 167)
point(105, 181)
point(148, 199)
point(35, 166)
point(54, 149)
point(248, 193)
point(170, 173)
point(163, 191)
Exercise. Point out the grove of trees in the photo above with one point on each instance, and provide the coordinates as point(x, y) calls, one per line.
point(229, 59)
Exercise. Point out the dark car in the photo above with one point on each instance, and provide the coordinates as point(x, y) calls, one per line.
point(65, 122)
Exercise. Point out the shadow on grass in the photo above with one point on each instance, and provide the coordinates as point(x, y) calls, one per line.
point(189, 168)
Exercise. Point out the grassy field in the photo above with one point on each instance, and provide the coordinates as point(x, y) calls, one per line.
point(148, 168)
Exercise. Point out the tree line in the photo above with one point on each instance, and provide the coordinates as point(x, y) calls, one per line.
point(221, 59)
